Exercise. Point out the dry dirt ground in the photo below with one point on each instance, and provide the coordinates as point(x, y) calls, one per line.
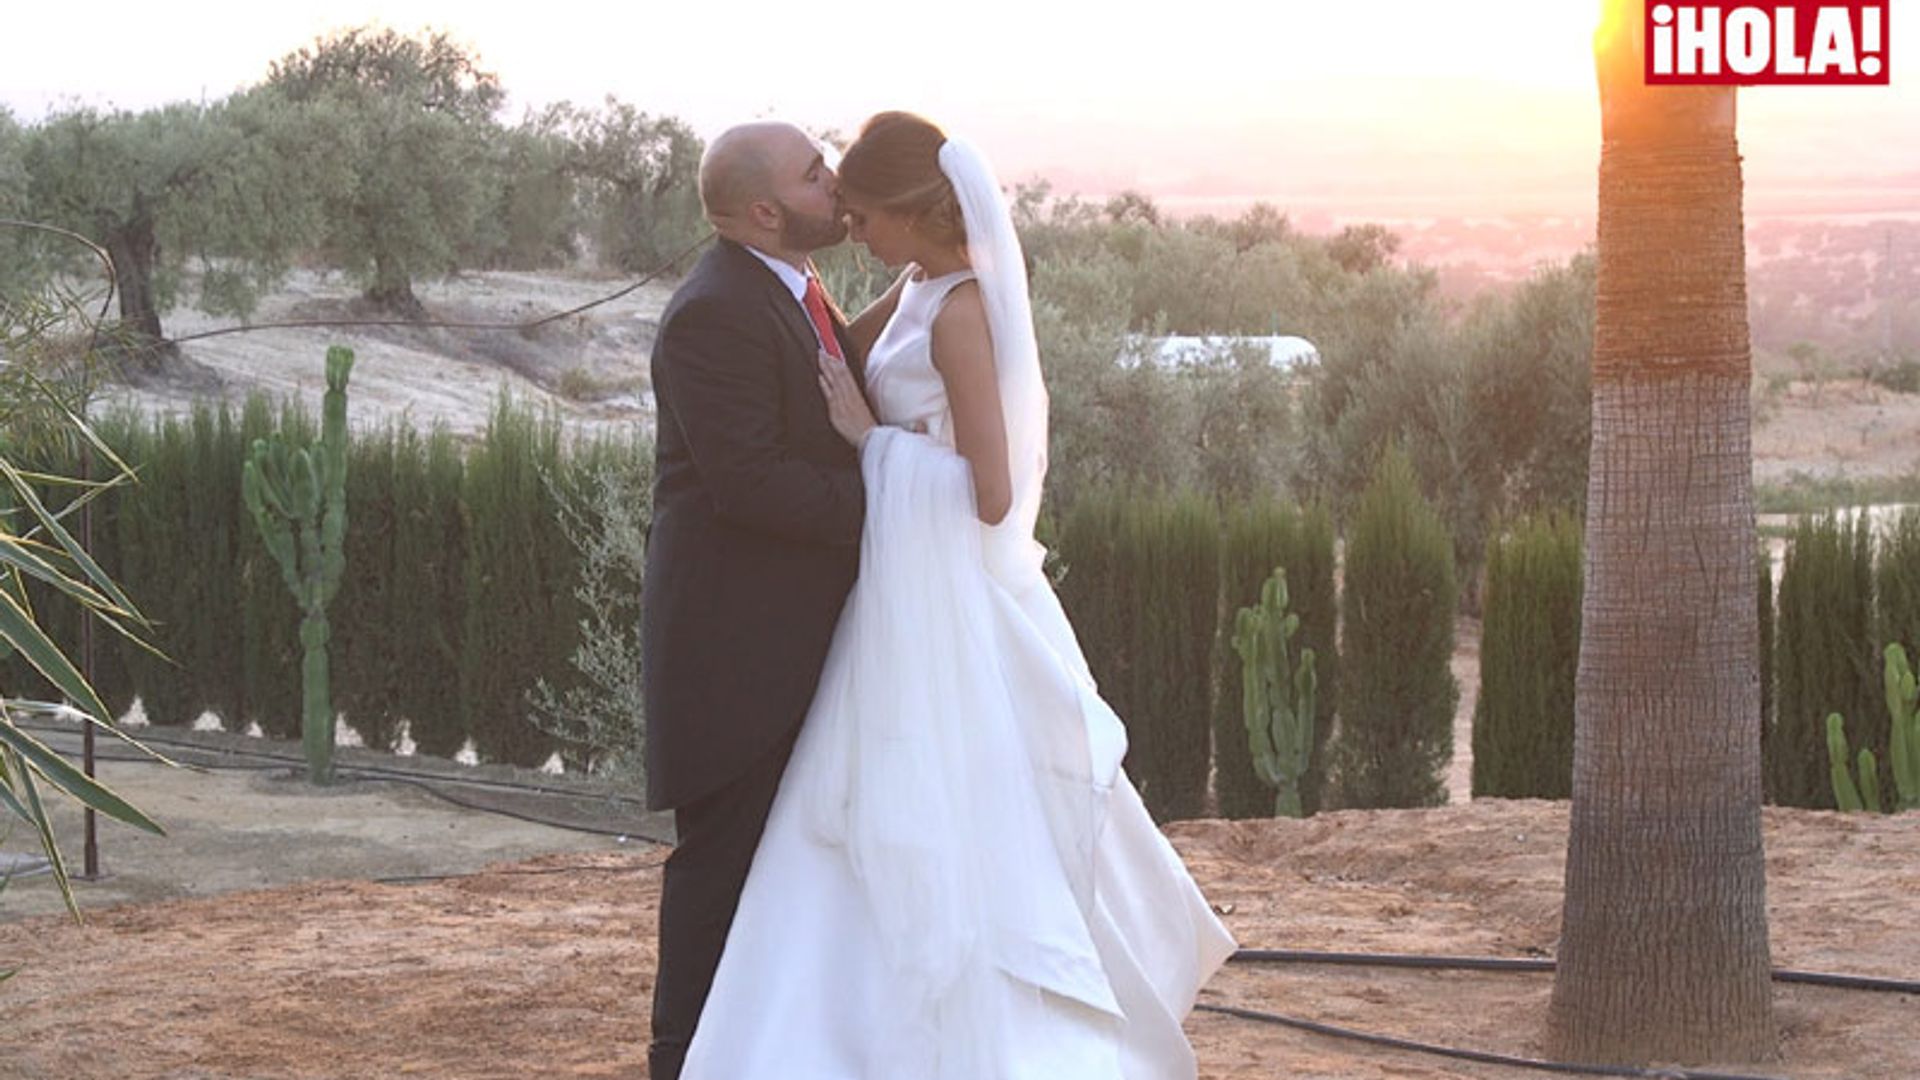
point(1834, 427)
point(591, 368)
point(542, 966)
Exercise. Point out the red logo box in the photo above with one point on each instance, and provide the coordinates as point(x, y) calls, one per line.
point(1784, 43)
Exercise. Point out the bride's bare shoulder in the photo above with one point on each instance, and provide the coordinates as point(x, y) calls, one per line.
point(960, 327)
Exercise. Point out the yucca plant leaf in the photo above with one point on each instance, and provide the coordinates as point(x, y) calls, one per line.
point(106, 727)
point(18, 629)
point(28, 498)
point(8, 798)
point(37, 817)
point(14, 553)
point(93, 490)
point(61, 773)
point(85, 429)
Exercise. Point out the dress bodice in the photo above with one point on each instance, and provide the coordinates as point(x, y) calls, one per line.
point(902, 382)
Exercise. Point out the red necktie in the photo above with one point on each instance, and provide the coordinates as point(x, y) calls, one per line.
point(816, 305)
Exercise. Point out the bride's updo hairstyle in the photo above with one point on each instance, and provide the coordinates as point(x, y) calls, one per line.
point(895, 165)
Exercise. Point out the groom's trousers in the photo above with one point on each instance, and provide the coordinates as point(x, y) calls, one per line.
point(715, 838)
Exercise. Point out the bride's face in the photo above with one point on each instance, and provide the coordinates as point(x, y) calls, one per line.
point(888, 235)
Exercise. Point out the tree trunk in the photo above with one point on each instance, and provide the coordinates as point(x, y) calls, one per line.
point(135, 250)
point(1664, 954)
point(392, 289)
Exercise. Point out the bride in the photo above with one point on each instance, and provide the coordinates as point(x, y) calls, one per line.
point(957, 881)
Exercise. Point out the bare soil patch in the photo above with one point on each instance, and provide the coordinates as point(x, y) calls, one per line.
point(591, 368)
point(543, 967)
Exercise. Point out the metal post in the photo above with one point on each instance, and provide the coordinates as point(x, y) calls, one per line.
point(92, 871)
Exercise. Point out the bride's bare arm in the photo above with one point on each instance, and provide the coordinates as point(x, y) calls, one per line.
point(865, 328)
point(963, 354)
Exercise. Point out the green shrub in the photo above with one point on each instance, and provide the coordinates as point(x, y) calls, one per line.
point(600, 720)
point(364, 669)
point(1896, 588)
point(1763, 589)
point(1529, 653)
point(428, 594)
point(1824, 658)
point(518, 623)
point(1397, 608)
point(1142, 588)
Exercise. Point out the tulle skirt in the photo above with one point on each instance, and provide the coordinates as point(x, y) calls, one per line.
point(957, 881)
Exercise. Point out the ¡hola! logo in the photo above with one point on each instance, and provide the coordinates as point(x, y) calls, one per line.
point(1787, 42)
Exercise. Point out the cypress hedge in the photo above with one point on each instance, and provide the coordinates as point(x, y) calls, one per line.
point(1825, 660)
point(519, 586)
point(427, 600)
point(1529, 654)
point(1142, 589)
point(365, 676)
point(1172, 547)
point(156, 558)
point(1896, 588)
point(209, 553)
point(1763, 589)
point(1397, 691)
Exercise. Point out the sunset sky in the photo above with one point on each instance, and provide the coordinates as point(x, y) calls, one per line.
point(1364, 108)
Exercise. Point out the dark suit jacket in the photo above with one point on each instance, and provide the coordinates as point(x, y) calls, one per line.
point(757, 512)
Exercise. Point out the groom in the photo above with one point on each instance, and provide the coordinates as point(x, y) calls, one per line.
point(757, 512)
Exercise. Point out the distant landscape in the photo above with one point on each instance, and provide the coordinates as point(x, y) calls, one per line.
point(1847, 284)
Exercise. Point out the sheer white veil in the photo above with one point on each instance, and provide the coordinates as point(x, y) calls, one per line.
point(1000, 266)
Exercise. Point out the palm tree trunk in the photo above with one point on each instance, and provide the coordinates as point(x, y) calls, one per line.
point(1664, 953)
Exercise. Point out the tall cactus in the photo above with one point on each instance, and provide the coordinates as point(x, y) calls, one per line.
point(1848, 795)
point(1903, 710)
point(1277, 696)
point(298, 498)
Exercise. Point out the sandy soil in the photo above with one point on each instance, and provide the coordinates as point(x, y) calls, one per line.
point(1466, 672)
point(591, 367)
point(249, 824)
point(543, 968)
point(1849, 427)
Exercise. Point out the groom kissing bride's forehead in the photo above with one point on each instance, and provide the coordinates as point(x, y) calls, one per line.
point(905, 843)
point(769, 185)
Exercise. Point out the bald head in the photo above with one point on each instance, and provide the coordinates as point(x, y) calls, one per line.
point(739, 167)
point(766, 185)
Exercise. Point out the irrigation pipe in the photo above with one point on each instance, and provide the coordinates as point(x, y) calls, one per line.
point(423, 782)
point(370, 770)
point(1480, 1056)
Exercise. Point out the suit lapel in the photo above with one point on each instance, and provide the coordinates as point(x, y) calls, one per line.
point(789, 313)
point(799, 327)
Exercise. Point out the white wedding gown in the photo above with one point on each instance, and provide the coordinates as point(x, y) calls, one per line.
point(957, 881)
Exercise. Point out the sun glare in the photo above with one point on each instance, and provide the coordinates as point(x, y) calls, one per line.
point(1615, 20)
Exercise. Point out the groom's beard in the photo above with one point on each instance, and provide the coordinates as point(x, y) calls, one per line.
point(800, 232)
